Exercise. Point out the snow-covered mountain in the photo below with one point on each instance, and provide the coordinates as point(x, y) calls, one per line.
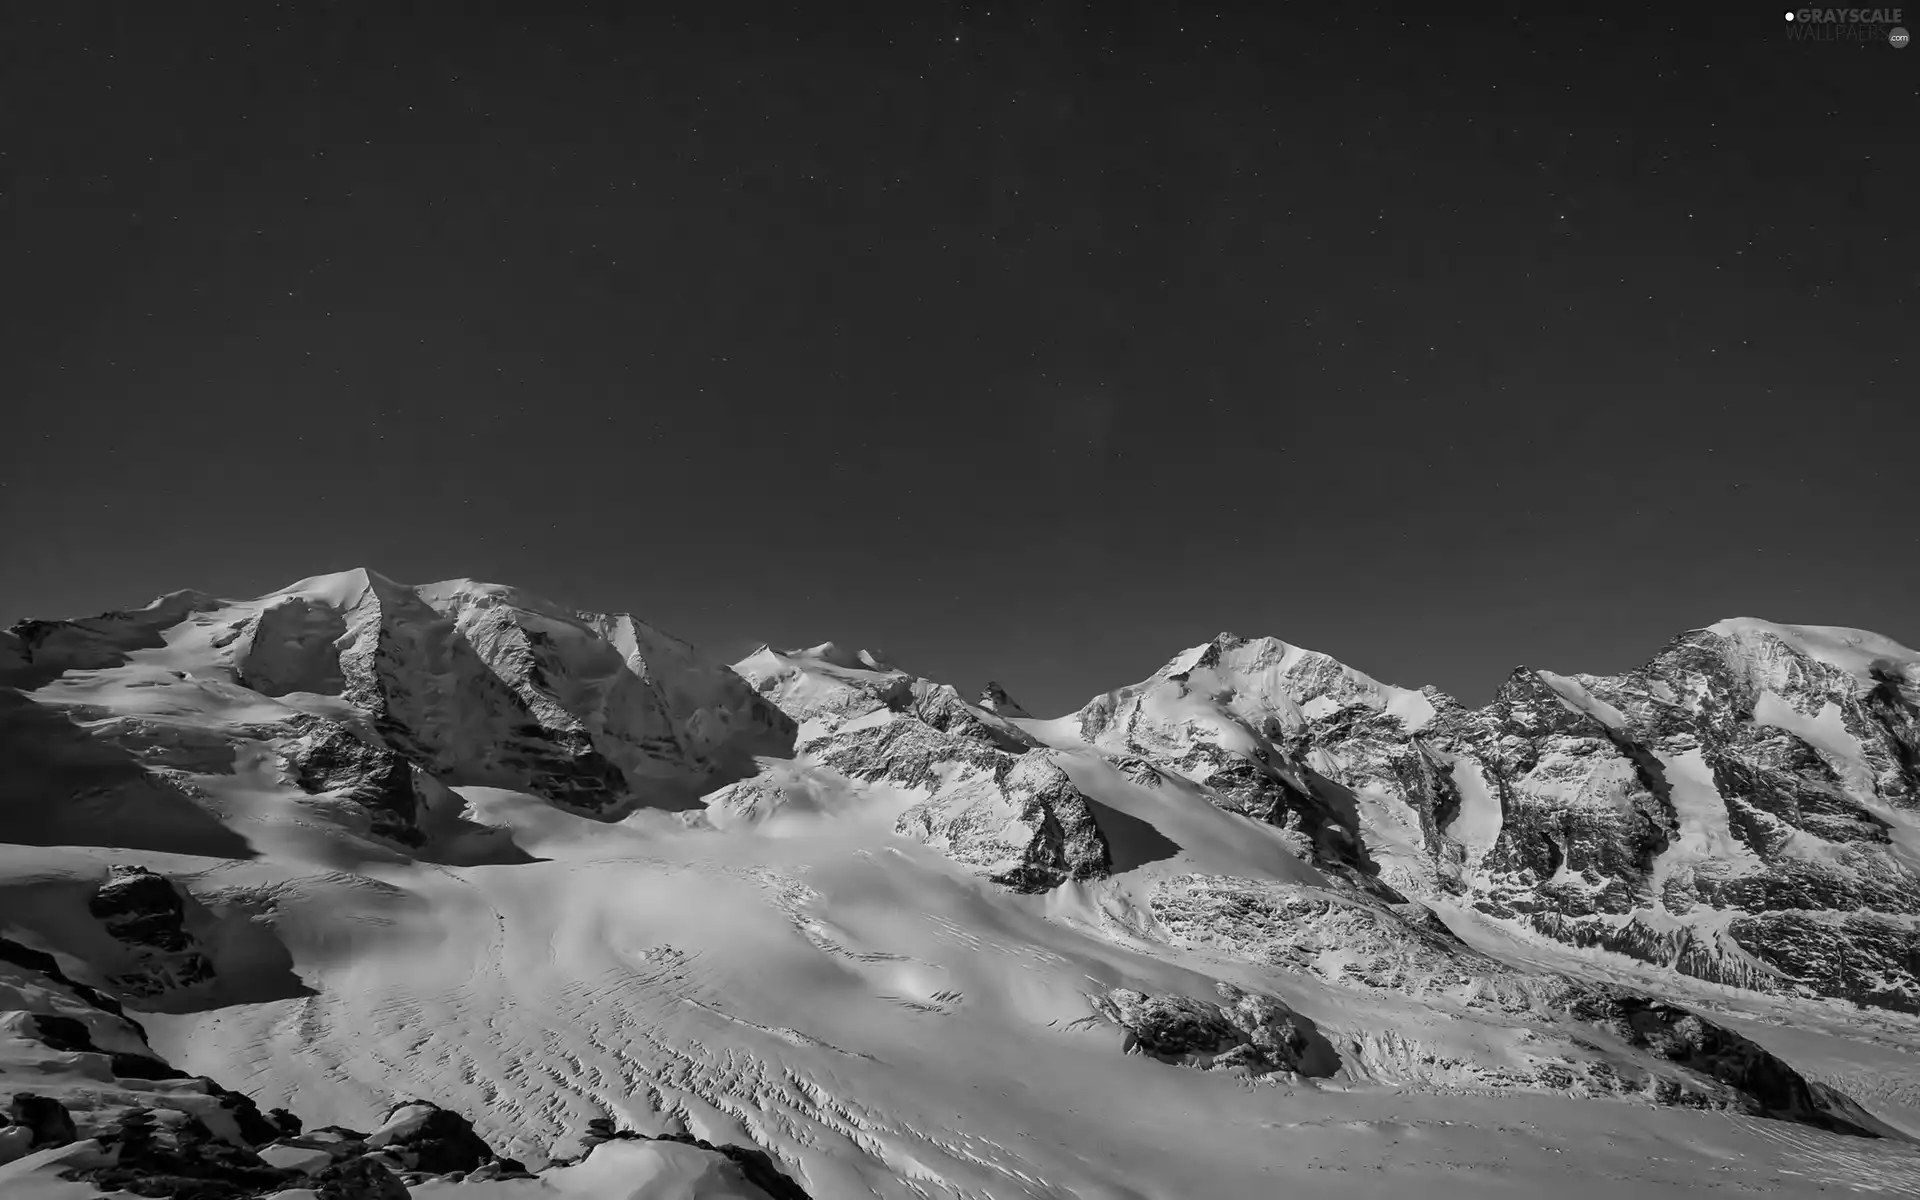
point(1745, 808)
point(506, 900)
point(356, 687)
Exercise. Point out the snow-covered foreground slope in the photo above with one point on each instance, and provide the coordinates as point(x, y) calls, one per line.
point(1180, 945)
point(884, 1022)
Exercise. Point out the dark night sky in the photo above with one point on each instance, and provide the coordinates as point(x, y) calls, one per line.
point(1033, 344)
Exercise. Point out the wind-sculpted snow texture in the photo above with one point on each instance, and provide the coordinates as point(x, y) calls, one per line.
point(436, 878)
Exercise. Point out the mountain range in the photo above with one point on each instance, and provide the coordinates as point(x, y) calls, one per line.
point(362, 889)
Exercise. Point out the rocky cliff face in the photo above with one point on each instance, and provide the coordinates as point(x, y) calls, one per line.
point(1742, 808)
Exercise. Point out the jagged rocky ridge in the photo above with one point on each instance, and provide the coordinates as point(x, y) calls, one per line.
point(1741, 809)
point(988, 796)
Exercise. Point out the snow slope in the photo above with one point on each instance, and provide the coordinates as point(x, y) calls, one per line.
point(876, 1016)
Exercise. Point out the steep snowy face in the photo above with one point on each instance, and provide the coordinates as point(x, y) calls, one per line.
point(823, 687)
point(1238, 693)
point(1236, 716)
point(488, 683)
point(355, 686)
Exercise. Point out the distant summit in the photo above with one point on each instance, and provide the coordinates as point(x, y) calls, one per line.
point(994, 699)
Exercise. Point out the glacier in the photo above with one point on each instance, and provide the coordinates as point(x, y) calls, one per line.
point(361, 886)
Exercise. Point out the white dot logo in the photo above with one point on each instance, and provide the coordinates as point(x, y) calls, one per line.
point(1789, 16)
point(1898, 38)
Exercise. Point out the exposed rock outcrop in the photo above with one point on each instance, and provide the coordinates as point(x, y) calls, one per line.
point(167, 1152)
point(1773, 1088)
point(1022, 822)
point(421, 1136)
point(755, 1165)
point(1254, 1032)
point(146, 913)
point(46, 1120)
point(358, 1179)
point(160, 1132)
point(985, 792)
point(326, 756)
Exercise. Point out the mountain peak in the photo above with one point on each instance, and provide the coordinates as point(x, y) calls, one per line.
point(1855, 651)
point(833, 654)
point(340, 589)
point(994, 699)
